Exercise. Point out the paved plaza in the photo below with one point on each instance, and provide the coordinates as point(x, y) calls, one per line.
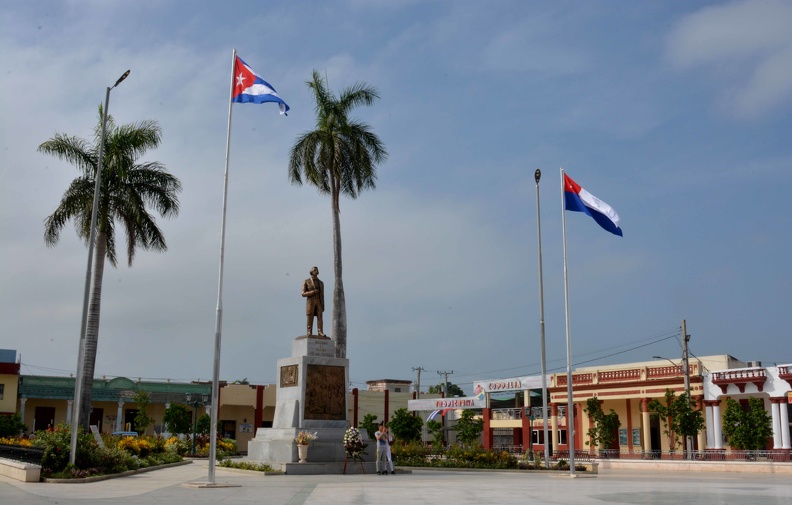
point(167, 486)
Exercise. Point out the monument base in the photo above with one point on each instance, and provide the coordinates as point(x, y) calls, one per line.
point(277, 445)
point(311, 397)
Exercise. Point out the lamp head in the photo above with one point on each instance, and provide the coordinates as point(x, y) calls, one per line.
point(537, 175)
point(126, 74)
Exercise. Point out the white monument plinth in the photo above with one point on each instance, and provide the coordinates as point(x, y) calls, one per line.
point(310, 396)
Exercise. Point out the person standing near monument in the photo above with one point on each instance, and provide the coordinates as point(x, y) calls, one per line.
point(313, 291)
point(382, 449)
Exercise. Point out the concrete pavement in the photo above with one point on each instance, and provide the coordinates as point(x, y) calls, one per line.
point(167, 486)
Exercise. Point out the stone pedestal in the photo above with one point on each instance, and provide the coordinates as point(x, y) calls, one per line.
point(310, 396)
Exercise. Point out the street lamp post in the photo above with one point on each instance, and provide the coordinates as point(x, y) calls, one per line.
point(78, 383)
point(537, 176)
point(195, 404)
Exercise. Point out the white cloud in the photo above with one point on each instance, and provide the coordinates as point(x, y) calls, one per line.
point(746, 45)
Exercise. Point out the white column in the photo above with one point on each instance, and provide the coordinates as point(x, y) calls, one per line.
point(69, 406)
point(784, 426)
point(774, 411)
point(120, 417)
point(716, 427)
point(22, 402)
point(708, 417)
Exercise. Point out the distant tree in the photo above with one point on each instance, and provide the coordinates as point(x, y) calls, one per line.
point(203, 424)
point(12, 426)
point(747, 429)
point(679, 417)
point(369, 425)
point(468, 428)
point(242, 381)
point(604, 428)
point(404, 426)
point(435, 428)
point(142, 419)
point(453, 390)
point(178, 419)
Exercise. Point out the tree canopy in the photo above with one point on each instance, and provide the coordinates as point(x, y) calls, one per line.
point(340, 156)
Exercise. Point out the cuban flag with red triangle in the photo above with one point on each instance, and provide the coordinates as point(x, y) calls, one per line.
point(249, 87)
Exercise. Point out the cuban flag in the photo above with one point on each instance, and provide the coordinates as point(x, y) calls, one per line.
point(579, 200)
point(249, 87)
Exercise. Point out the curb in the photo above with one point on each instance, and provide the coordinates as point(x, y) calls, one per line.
point(98, 478)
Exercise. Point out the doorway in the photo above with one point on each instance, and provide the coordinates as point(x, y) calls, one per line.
point(44, 417)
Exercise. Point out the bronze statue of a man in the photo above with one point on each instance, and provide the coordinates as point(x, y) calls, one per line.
point(313, 291)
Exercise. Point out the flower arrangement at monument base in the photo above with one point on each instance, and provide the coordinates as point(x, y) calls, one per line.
point(305, 438)
point(354, 446)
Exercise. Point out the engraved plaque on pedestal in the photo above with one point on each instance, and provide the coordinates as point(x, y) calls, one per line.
point(288, 376)
point(325, 393)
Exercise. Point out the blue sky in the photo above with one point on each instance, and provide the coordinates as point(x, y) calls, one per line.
point(678, 114)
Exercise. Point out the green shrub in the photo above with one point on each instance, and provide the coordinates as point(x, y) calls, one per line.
point(118, 455)
point(246, 465)
point(11, 426)
point(410, 454)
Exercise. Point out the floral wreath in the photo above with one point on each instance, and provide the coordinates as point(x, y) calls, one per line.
point(354, 447)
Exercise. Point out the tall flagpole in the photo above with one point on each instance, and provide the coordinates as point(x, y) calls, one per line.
point(219, 317)
point(570, 415)
point(537, 176)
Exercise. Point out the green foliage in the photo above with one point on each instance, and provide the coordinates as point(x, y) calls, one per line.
point(747, 429)
point(412, 453)
point(119, 454)
point(203, 424)
point(453, 390)
point(142, 419)
point(245, 465)
point(678, 416)
point(605, 427)
point(468, 428)
point(369, 424)
point(436, 429)
point(178, 419)
point(405, 426)
point(57, 447)
point(11, 426)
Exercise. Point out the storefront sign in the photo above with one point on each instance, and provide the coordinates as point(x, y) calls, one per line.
point(468, 402)
point(511, 384)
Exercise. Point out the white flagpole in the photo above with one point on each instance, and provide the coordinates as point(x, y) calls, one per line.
point(570, 415)
point(219, 317)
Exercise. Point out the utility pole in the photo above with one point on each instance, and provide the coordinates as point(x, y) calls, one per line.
point(445, 380)
point(686, 370)
point(418, 382)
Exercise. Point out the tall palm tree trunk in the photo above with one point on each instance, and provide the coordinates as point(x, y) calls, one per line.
point(339, 326)
point(92, 331)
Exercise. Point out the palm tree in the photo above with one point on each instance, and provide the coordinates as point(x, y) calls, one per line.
point(339, 156)
point(127, 188)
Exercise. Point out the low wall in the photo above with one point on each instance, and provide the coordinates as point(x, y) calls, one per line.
point(652, 465)
point(25, 472)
